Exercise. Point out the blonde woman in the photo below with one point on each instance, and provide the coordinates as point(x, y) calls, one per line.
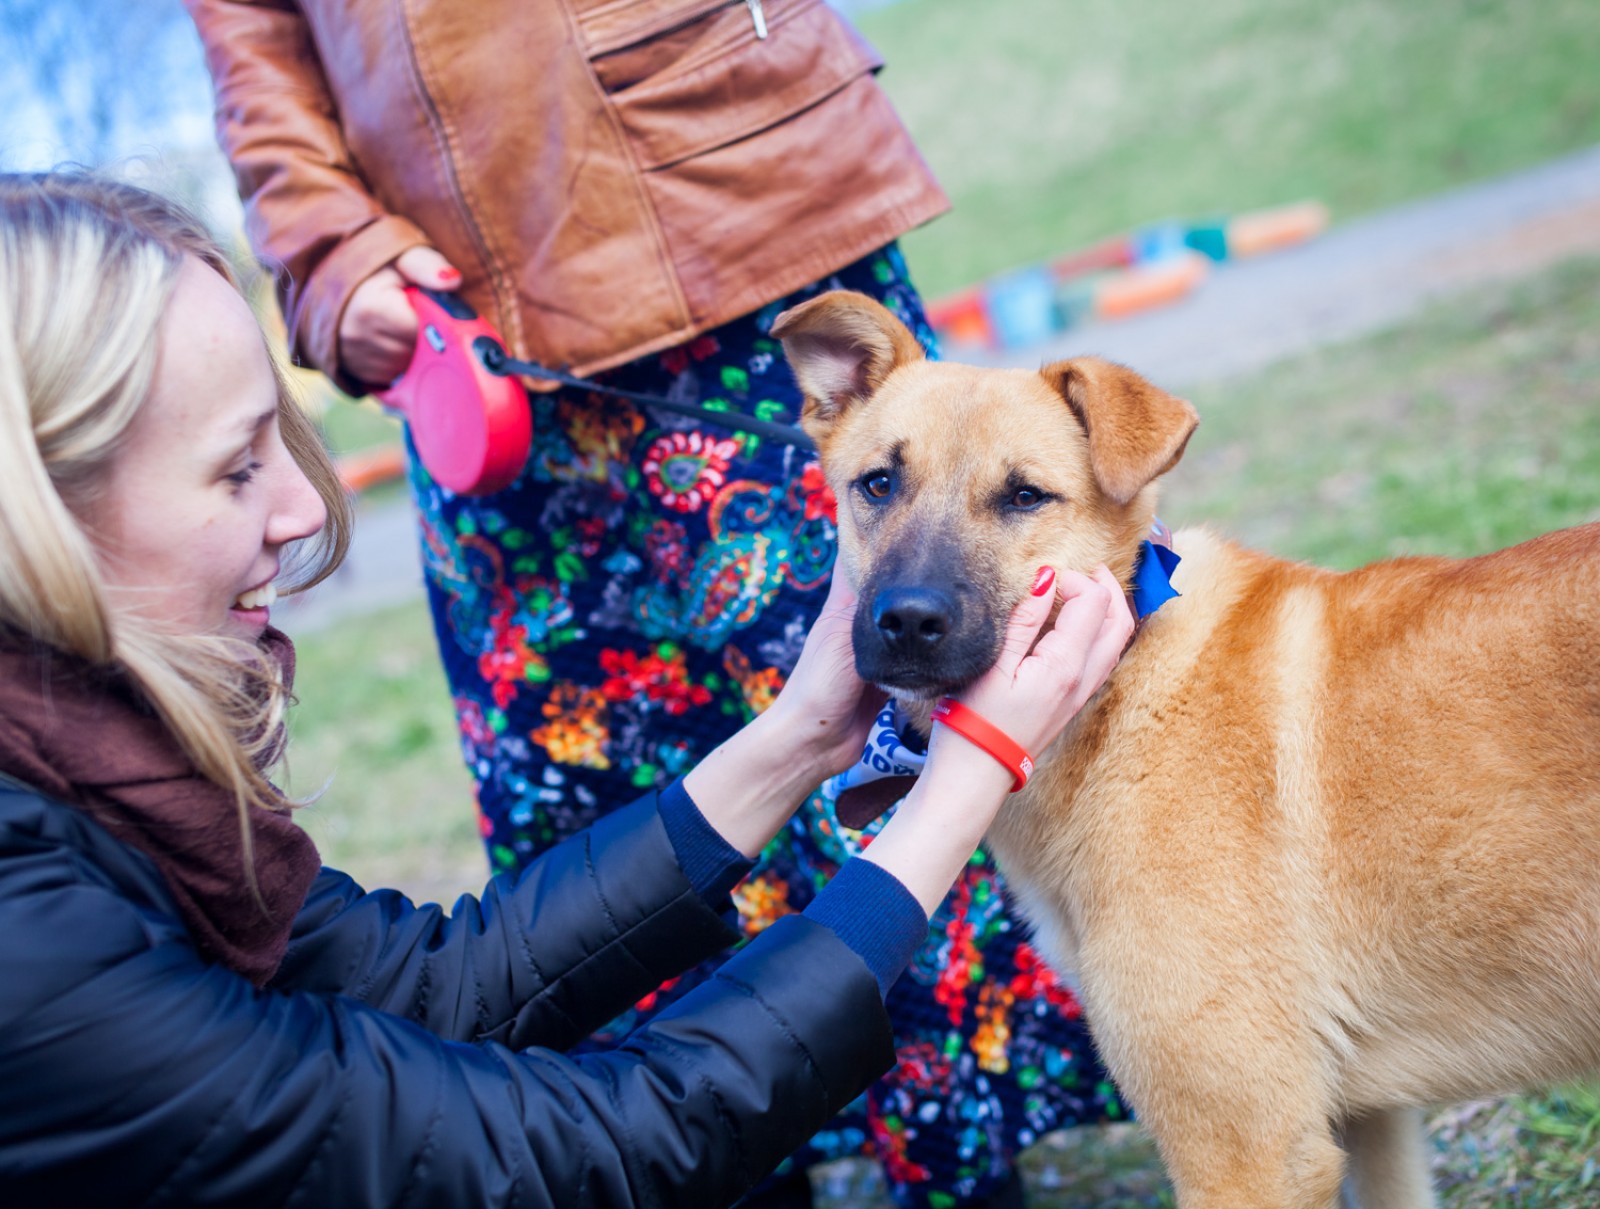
point(192, 1008)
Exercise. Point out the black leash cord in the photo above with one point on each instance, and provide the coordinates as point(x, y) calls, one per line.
point(497, 361)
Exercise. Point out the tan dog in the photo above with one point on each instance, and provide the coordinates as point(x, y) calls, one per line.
point(1325, 848)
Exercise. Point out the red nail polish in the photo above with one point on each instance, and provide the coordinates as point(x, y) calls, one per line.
point(1043, 580)
point(449, 275)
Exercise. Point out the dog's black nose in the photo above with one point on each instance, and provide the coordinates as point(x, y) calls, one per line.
point(912, 621)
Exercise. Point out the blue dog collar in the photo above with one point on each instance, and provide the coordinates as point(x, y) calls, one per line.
point(1152, 576)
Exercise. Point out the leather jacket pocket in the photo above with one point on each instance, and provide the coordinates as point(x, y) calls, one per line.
point(611, 25)
point(731, 83)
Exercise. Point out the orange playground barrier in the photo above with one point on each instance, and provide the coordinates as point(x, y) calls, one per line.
point(1146, 286)
point(1154, 266)
point(1268, 230)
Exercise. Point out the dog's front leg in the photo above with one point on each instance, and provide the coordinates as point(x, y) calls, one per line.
point(1254, 1164)
point(1234, 1153)
point(1234, 1089)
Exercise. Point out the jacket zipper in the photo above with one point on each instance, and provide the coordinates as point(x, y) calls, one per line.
point(757, 18)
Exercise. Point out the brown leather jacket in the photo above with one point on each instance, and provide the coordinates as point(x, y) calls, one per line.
point(611, 177)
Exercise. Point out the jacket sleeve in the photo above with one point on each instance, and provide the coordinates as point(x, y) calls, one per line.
point(131, 1072)
point(310, 215)
point(542, 959)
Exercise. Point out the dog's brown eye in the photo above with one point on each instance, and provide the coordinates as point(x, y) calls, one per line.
point(1026, 497)
point(878, 485)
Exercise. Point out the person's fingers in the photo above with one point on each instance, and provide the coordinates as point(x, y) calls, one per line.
point(828, 642)
point(1083, 614)
point(378, 330)
point(824, 705)
point(1108, 645)
point(424, 266)
point(378, 295)
point(390, 318)
point(1029, 616)
point(841, 599)
point(1119, 609)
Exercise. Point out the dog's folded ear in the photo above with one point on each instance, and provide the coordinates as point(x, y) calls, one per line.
point(841, 346)
point(1136, 431)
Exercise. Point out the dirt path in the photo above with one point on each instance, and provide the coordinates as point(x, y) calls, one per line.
point(1360, 276)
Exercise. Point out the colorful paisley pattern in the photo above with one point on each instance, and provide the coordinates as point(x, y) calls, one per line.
point(638, 594)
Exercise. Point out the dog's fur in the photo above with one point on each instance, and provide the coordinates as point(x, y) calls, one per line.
point(1325, 848)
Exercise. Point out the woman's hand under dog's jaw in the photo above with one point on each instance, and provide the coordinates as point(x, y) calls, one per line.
point(1039, 683)
point(825, 709)
point(1045, 674)
point(751, 785)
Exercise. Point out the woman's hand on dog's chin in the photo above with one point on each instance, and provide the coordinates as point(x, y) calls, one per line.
point(824, 713)
point(1043, 677)
point(749, 786)
point(1031, 696)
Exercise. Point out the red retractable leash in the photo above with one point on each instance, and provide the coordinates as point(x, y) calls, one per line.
point(469, 416)
point(471, 427)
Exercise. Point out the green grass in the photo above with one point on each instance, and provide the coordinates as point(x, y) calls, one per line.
point(375, 717)
point(1473, 426)
point(351, 425)
point(1053, 124)
point(1527, 1152)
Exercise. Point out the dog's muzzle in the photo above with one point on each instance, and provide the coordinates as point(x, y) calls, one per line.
point(921, 640)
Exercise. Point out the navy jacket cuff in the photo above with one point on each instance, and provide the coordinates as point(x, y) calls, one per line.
point(869, 909)
point(712, 865)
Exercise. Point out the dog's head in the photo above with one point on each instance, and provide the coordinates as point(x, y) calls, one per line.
point(956, 483)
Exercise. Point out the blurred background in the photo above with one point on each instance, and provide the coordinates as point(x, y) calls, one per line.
point(1364, 239)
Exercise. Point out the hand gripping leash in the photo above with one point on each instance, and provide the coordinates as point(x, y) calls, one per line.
point(469, 416)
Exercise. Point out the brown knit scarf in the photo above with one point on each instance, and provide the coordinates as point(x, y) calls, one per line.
point(84, 737)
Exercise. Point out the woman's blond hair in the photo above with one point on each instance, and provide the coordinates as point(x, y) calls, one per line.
point(87, 266)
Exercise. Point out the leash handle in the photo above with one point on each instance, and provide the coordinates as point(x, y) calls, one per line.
point(469, 416)
point(471, 427)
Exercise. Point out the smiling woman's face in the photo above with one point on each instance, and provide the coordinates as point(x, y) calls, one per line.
point(203, 494)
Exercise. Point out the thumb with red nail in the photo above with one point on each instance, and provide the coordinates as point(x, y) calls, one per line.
point(424, 266)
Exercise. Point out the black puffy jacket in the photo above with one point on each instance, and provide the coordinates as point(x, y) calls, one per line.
point(386, 1063)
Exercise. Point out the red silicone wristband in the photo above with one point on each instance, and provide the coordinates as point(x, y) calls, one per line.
point(977, 729)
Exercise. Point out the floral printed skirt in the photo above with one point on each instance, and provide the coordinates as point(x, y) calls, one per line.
point(636, 596)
